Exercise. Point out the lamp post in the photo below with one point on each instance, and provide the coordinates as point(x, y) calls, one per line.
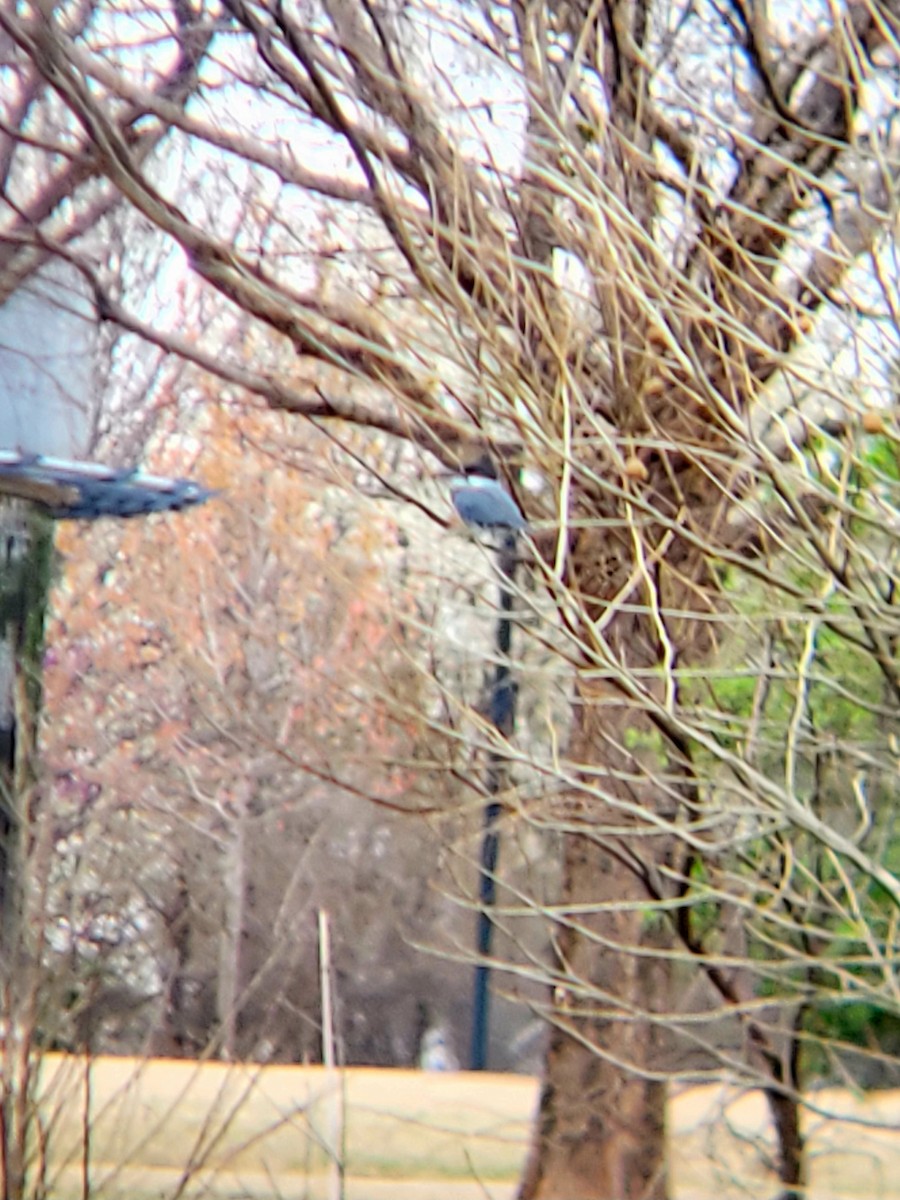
point(483, 503)
point(502, 710)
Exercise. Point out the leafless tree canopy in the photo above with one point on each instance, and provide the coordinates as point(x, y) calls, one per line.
point(645, 250)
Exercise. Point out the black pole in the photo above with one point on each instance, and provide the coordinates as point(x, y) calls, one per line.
point(502, 714)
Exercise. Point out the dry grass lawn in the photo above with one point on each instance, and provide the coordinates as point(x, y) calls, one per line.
point(164, 1128)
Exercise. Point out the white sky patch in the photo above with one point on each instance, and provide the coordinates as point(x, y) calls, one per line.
point(47, 376)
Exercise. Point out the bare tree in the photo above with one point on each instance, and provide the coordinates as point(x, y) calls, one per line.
point(233, 739)
point(616, 302)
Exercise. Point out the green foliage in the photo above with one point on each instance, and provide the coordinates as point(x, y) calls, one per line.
point(880, 461)
point(37, 576)
point(800, 694)
point(649, 741)
point(856, 1023)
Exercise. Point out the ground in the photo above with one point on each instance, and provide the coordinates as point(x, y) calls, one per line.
point(406, 1135)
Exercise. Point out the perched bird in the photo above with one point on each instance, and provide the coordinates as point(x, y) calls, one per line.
point(482, 501)
point(85, 491)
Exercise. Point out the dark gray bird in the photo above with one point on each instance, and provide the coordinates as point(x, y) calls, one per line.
point(483, 502)
point(85, 491)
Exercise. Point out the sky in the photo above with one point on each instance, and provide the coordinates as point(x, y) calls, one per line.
point(46, 366)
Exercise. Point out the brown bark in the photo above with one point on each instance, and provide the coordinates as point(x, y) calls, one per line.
point(601, 1123)
point(792, 1165)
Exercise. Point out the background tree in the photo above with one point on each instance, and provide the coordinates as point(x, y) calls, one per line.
point(238, 732)
point(601, 266)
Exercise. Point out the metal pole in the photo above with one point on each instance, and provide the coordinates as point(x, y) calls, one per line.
point(502, 715)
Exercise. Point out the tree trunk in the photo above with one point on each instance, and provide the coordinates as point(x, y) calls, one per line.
point(601, 1125)
point(792, 1166)
point(230, 965)
point(24, 589)
point(175, 1035)
point(24, 585)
